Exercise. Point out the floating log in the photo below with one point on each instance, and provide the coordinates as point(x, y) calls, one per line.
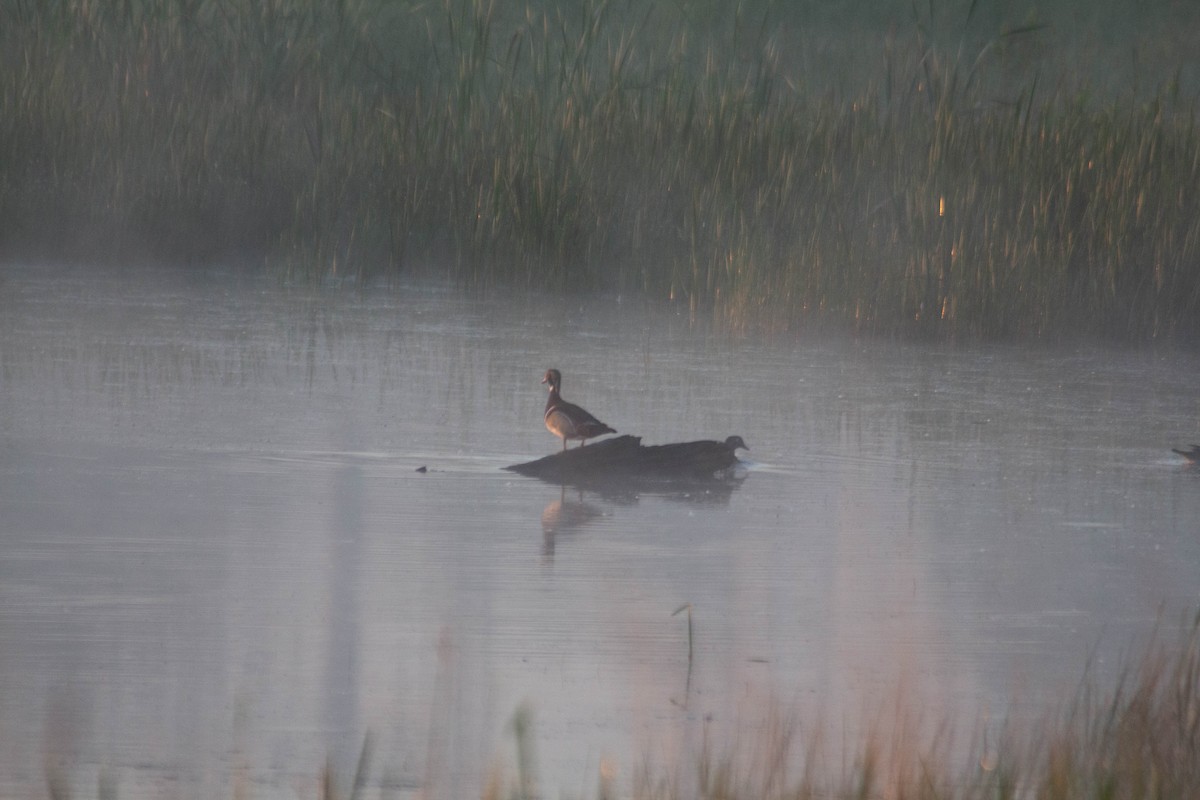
point(626, 456)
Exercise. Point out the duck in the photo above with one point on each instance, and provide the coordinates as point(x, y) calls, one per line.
point(567, 420)
point(716, 455)
point(697, 459)
point(735, 443)
point(1193, 455)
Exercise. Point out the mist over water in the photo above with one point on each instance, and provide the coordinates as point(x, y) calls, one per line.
point(219, 563)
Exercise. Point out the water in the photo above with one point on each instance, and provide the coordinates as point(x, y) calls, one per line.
point(220, 567)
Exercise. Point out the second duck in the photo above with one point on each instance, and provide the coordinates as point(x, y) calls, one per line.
point(567, 420)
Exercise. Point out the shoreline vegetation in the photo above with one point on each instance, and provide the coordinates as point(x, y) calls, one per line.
point(1137, 739)
point(918, 169)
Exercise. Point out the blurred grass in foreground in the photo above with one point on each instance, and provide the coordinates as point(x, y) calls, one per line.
point(707, 154)
point(1139, 739)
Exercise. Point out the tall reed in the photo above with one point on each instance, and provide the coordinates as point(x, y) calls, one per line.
point(1139, 739)
point(676, 151)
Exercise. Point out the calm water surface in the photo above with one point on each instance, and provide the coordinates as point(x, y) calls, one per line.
point(219, 566)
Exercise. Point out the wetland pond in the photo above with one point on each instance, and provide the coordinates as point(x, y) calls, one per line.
point(220, 568)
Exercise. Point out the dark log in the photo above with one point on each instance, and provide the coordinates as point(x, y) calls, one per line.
point(626, 456)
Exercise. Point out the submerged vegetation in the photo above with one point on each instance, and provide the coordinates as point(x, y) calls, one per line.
point(944, 175)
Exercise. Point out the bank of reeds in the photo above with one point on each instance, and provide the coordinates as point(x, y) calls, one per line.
point(603, 144)
point(1139, 740)
point(1136, 741)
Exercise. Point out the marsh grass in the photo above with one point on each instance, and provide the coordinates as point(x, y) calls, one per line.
point(1139, 738)
point(686, 152)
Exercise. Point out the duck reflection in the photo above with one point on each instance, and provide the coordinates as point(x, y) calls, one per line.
point(1192, 455)
point(563, 516)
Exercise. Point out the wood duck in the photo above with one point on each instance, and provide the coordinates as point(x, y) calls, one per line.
point(567, 420)
point(1192, 455)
